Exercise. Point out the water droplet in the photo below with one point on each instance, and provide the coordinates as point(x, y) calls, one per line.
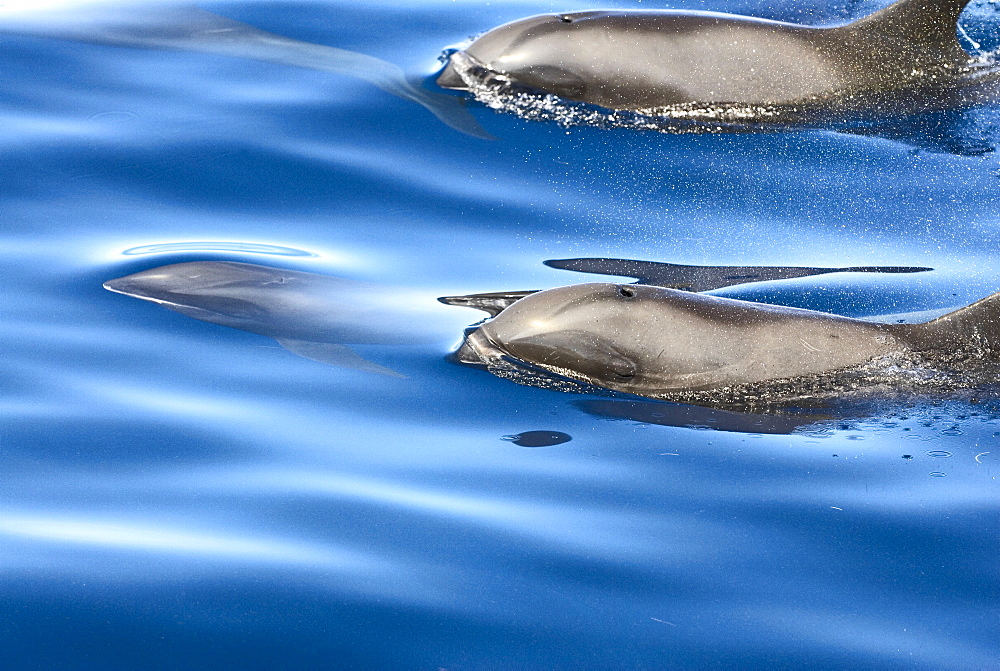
point(539, 438)
point(940, 454)
point(938, 474)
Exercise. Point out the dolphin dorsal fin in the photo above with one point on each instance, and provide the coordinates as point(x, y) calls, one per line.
point(925, 28)
point(976, 325)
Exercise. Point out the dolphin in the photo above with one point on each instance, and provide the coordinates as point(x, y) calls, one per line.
point(159, 25)
point(713, 67)
point(311, 315)
point(707, 278)
point(675, 345)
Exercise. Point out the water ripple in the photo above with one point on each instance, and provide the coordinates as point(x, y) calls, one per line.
point(245, 247)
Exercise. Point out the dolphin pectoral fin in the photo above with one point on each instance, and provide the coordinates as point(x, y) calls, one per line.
point(452, 111)
point(332, 354)
point(578, 351)
point(706, 278)
point(449, 78)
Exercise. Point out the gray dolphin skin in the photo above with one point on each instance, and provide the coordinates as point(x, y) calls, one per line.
point(661, 343)
point(164, 25)
point(645, 61)
point(314, 316)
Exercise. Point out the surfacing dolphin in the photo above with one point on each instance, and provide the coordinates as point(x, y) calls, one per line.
point(717, 68)
point(314, 316)
point(677, 345)
point(164, 25)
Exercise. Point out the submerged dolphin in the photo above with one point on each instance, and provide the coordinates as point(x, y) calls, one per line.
point(159, 25)
point(664, 343)
point(706, 65)
point(314, 316)
point(707, 278)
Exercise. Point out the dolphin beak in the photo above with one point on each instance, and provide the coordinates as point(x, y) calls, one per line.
point(450, 79)
point(134, 287)
point(120, 285)
point(476, 349)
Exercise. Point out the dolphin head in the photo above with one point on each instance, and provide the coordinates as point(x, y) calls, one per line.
point(584, 332)
point(539, 52)
point(288, 304)
point(217, 291)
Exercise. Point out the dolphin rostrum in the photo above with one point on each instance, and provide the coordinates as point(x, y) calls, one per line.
point(718, 68)
point(314, 316)
point(164, 25)
point(677, 345)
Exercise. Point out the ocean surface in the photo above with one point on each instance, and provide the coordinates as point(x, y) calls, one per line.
point(177, 494)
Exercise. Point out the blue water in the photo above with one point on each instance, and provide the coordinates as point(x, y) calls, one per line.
point(176, 494)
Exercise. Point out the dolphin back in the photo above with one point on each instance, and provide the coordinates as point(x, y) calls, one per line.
point(918, 31)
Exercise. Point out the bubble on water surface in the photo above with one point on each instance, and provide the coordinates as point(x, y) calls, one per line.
point(941, 454)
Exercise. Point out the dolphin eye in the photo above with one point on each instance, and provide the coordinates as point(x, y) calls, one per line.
point(626, 292)
point(566, 19)
point(624, 376)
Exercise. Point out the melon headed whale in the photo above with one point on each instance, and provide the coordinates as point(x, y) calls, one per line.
point(676, 345)
point(716, 67)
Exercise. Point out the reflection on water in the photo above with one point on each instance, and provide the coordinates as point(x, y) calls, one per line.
point(674, 414)
point(176, 493)
point(210, 247)
point(88, 532)
point(539, 438)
